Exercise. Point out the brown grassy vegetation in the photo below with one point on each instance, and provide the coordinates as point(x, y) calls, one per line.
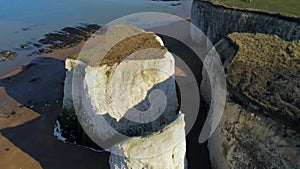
point(266, 70)
point(284, 7)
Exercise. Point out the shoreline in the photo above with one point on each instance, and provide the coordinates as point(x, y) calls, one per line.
point(31, 101)
point(60, 54)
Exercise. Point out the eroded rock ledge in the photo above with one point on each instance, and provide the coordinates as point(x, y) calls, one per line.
point(260, 124)
point(122, 90)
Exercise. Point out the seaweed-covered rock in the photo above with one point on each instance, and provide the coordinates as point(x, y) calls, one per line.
point(7, 55)
point(69, 36)
point(260, 124)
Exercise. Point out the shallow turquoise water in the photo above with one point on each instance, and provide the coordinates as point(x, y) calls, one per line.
point(28, 20)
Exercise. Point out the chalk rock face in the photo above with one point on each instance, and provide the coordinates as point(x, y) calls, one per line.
point(132, 89)
point(124, 87)
point(260, 124)
point(159, 150)
point(70, 64)
point(247, 140)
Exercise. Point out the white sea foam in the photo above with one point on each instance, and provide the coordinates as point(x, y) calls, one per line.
point(57, 132)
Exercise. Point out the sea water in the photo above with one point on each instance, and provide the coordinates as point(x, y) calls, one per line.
point(22, 21)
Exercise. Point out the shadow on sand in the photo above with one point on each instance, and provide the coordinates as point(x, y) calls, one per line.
point(197, 154)
point(40, 87)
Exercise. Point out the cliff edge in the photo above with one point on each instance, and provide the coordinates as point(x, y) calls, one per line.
point(259, 127)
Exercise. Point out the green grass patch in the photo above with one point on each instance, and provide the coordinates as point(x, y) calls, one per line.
point(284, 7)
point(74, 56)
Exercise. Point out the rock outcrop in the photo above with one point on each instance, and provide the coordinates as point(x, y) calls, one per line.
point(159, 150)
point(248, 140)
point(68, 36)
point(259, 127)
point(123, 87)
point(7, 55)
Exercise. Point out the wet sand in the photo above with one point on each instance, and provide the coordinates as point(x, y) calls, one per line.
point(31, 100)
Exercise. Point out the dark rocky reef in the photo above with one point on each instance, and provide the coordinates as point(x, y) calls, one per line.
point(65, 38)
point(69, 36)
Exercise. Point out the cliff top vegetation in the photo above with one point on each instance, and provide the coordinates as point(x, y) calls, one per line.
point(284, 7)
point(266, 70)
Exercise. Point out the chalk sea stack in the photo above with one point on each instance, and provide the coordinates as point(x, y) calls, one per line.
point(122, 91)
